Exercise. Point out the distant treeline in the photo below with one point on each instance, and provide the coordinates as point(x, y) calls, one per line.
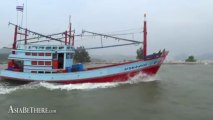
point(3, 58)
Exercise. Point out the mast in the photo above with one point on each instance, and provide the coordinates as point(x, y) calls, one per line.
point(144, 38)
point(65, 37)
point(15, 37)
point(70, 30)
point(73, 39)
point(25, 37)
point(69, 33)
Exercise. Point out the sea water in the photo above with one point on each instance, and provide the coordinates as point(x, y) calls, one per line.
point(177, 92)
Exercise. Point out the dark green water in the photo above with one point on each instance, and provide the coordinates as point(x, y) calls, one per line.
point(178, 92)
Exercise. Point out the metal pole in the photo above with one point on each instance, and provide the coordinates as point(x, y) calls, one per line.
point(73, 39)
point(49, 37)
point(101, 42)
point(144, 37)
point(25, 42)
point(111, 46)
point(70, 28)
point(15, 37)
point(43, 36)
point(65, 37)
point(22, 12)
point(26, 13)
point(117, 38)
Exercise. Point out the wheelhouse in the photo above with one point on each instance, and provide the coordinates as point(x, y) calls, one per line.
point(41, 58)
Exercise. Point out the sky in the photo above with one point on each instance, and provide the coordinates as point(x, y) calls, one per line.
point(180, 26)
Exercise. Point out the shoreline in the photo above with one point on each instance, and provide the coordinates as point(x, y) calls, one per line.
point(95, 64)
point(190, 63)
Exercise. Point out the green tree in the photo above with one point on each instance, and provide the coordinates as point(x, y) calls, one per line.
point(190, 59)
point(139, 53)
point(81, 55)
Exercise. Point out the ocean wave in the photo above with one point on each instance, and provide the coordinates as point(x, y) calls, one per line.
point(82, 86)
point(5, 89)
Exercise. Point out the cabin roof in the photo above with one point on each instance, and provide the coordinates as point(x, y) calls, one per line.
point(35, 47)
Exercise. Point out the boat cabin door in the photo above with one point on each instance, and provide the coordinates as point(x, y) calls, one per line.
point(58, 60)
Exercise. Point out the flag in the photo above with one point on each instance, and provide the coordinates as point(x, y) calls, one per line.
point(20, 8)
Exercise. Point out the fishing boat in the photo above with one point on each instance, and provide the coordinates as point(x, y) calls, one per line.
point(30, 62)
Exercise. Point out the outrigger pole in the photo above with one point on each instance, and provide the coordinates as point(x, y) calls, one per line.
point(111, 46)
point(18, 27)
point(133, 42)
point(108, 36)
point(68, 37)
point(42, 37)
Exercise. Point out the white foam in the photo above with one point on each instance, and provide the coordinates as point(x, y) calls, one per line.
point(87, 86)
point(82, 86)
point(4, 89)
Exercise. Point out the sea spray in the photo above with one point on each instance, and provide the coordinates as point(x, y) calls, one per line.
point(6, 89)
point(87, 86)
point(82, 86)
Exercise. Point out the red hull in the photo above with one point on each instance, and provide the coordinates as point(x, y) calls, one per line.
point(114, 78)
point(111, 78)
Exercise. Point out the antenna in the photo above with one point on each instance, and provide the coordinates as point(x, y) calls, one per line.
point(16, 12)
point(26, 13)
point(70, 19)
point(22, 15)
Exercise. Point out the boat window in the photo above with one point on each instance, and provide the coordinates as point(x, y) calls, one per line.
point(34, 54)
point(18, 64)
point(13, 52)
point(68, 47)
point(71, 55)
point(47, 54)
point(54, 48)
point(61, 48)
point(33, 71)
point(40, 62)
point(47, 63)
point(55, 57)
point(41, 47)
point(34, 62)
point(41, 54)
point(48, 48)
point(34, 47)
point(27, 53)
point(47, 72)
point(40, 71)
point(68, 56)
point(29, 47)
